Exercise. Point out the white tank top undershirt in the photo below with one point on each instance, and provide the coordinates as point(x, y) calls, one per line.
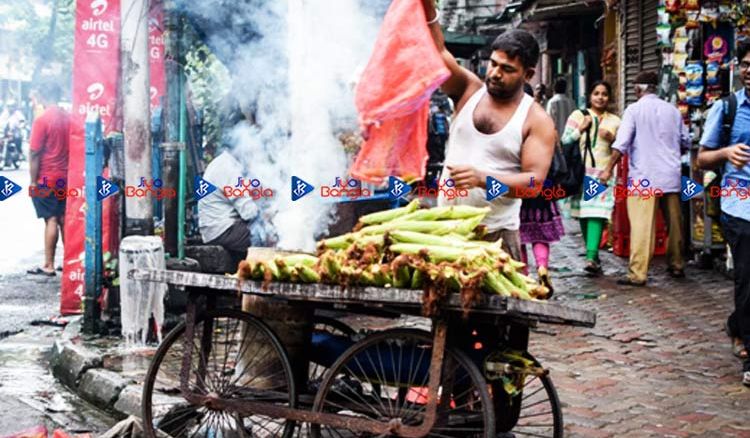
point(498, 153)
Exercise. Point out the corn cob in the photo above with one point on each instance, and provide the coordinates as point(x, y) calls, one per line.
point(430, 227)
point(439, 213)
point(417, 279)
point(389, 215)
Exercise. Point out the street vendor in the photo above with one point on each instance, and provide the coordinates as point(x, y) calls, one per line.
point(232, 222)
point(497, 130)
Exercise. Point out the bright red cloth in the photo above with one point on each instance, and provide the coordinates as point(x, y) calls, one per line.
point(50, 137)
point(393, 96)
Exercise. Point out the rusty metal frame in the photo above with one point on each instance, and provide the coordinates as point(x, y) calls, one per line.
point(356, 424)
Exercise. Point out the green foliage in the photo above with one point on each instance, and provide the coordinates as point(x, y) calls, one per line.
point(26, 27)
point(209, 82)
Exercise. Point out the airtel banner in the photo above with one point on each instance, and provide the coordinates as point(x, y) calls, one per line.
point(156, 53)
point(96, 68)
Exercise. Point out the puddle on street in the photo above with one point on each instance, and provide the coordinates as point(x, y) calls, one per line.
point(26, 377)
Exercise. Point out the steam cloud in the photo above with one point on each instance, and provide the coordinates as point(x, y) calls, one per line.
point(298, 73)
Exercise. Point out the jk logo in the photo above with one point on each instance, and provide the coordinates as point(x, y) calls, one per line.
point(202, 188)
point(300, 188)
point(8, 188)
point(105, 188)
point(592, 188)
point(397, 188)
point(495, 188)
point(690, 189)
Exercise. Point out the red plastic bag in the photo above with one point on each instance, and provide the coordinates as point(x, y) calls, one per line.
point(393, 96)
point(34, 432)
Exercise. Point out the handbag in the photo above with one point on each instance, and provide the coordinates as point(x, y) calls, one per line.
point(567, 169)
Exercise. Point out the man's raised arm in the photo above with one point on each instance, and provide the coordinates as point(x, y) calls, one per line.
point(461, 78)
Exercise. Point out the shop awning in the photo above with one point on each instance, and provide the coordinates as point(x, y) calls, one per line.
point(548, 10)
point(464, 45)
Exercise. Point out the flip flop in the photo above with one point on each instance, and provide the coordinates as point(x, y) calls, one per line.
point(40, 271)
point(739, 350)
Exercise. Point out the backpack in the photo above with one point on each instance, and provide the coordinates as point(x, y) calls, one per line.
point(728, 111)
point(568, 168)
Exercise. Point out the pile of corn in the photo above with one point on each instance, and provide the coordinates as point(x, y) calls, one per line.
point(436, 250)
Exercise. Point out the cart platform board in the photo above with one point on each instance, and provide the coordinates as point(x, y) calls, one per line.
point(408, 301)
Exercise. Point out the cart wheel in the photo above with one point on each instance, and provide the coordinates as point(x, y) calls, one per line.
point(334, 327)
point(385, 376)
point(538, 414)
point(242, 359)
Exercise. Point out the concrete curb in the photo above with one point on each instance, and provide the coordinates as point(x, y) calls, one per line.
point(81, 369)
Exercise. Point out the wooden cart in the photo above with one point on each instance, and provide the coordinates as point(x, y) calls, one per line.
point(224, 373)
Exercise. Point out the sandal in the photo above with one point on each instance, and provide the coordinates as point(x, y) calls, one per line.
point(738, 349)
point(593, 268)
point(40, 271)
point(545, 281)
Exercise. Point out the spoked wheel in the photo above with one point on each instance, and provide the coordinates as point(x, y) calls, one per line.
point(234, 357)
point(385, 377)
point(539, 413)
point(331, 326)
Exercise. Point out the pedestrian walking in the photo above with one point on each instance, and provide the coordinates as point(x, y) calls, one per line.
point(653, 136)
point(48, 168)
point(560, 106)
point(726, 136)
point(601, 126)
point(541, 224)
point(540, 94)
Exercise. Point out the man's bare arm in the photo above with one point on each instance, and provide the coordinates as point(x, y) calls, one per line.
point(34, 167)
point(461, 78)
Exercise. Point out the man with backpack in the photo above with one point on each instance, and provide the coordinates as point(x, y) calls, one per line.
point(726, 136)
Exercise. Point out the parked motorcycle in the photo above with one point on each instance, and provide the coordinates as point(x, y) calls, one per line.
point(11, 154)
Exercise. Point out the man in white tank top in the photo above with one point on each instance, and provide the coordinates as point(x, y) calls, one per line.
point(497, 130)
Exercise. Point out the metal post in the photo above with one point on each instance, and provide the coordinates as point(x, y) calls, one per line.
point(136, 112)
point(183, 174)
point(171, 175)
point(93, 241)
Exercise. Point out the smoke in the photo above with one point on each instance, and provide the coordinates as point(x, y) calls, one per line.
point(297, 73)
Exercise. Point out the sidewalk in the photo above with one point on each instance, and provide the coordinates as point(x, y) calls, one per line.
point(657, 364)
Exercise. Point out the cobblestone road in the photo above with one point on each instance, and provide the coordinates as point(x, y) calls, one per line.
point(657, 364)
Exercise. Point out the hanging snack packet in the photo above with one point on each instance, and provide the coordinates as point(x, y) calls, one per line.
point(673, 6)
point(709, 14)
point(691, 5)
point(712, 74)
point(692, 20)
point(694, 74)
point(694, 95)
point(662, 35)
point(715, 48)
point(663, 15)
point(680, 44)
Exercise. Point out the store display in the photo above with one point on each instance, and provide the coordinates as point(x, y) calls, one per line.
point(715, 48)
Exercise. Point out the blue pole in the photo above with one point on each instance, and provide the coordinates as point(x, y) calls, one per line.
point(93, 241)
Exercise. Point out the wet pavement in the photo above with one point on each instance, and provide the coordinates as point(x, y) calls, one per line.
point(29, 395)
point(657, 364)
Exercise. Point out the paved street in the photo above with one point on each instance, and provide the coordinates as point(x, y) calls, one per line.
point(29, 395)
point(657, 363)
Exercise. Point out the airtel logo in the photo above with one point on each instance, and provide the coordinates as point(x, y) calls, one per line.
point(95, 91)
point(98, 7)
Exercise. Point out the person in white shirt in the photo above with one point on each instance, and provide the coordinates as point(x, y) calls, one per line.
point(233, 222)
point(560, 106)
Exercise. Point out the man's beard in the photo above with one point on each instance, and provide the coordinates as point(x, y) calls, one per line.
point(502, 93)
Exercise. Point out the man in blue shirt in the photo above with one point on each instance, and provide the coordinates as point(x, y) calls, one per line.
point(735, 159)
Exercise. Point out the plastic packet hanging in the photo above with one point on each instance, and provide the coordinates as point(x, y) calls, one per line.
point(673, 5)
point(691, 5)
point(662, 34)
point(694, 74)
point(709, 14)
point(663, 15)
point(694, 95)
point(684, 109)
point(680, 44)
point(715, 48)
